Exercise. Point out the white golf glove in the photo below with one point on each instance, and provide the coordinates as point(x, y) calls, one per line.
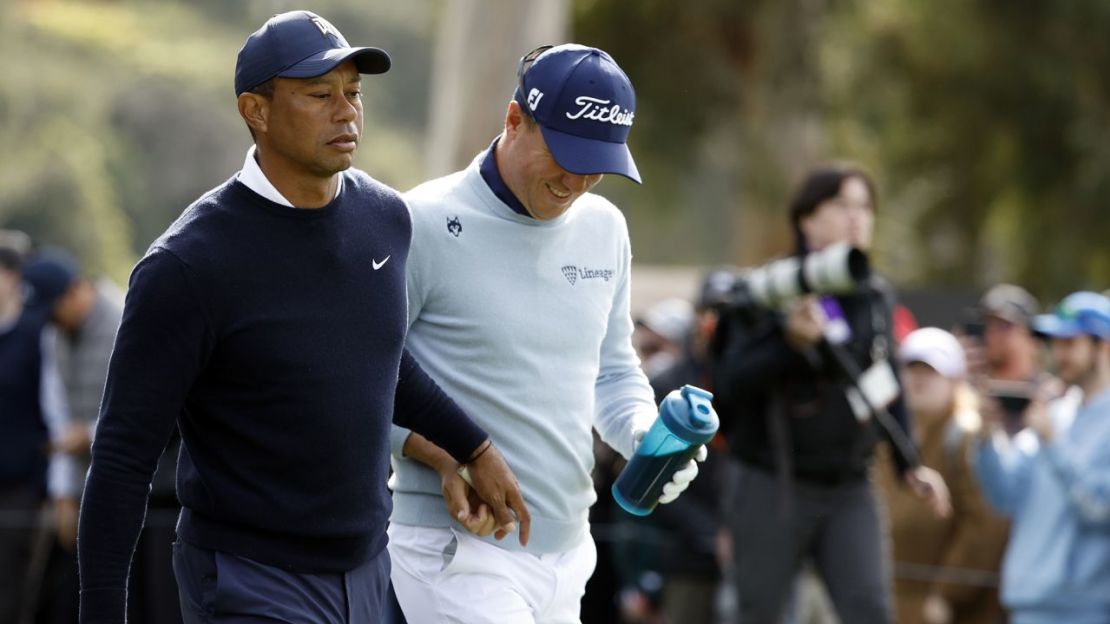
point(682, 478)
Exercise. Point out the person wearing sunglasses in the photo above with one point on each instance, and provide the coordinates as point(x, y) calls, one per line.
point(518, 285)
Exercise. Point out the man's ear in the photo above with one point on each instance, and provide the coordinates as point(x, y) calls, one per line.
point(514, 119)
point(255, 110)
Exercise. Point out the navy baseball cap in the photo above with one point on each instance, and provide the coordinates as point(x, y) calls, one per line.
point(50, 273)
point(584, 105)
point(299, 44)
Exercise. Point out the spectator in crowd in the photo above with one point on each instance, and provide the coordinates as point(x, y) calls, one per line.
point(32, 412)
point(967, 546)
point(1004, 361)
point(1053, 478)
point(661, 334)
point(691, 525)
point(805, 448)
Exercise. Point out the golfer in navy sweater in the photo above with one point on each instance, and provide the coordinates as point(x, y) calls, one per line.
point(268, 323)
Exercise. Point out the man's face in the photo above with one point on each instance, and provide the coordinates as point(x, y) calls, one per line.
point(313, 125)
point(1004, 340)
point(546, 189)
point(1074, 358)
point(848, 217)
point(10, 282)
point(928, 393)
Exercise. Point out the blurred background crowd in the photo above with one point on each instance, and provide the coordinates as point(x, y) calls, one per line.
point(982, 129)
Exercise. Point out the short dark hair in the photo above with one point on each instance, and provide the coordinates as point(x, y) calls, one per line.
point(266, 90)
point(821, 185)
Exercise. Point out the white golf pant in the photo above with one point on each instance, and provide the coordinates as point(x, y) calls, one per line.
point(444, 575)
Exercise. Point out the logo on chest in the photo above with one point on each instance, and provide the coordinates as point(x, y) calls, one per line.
point(454, 226)
point(574, 273)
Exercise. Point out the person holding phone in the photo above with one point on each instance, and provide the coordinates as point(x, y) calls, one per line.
point(1053, 478)
point(1003, 354)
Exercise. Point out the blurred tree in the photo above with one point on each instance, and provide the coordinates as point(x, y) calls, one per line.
point(119, 114)
point(990, 123)
point(985, 122)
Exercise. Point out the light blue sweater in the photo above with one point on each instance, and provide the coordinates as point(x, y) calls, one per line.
point(526, 324)
point(1057, 565)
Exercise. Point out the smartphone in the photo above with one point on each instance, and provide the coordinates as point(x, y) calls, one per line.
point(1013, 396)
point(972, 329)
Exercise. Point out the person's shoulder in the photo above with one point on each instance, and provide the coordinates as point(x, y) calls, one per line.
point(196, 227)
point(364, 184)
point(598, 209)
point(437, 191)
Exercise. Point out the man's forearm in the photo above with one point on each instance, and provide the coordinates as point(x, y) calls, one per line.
point(418, 447)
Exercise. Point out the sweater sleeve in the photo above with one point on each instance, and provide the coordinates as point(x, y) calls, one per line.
point(753, 357)
point(624, 401)
point(423, 407)
point(1003, 468)
point(1086, 484)
point(162, 345)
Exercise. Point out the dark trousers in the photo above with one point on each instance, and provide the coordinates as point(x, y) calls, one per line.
point(221, 588)
point(839, 527)
point(19, 514)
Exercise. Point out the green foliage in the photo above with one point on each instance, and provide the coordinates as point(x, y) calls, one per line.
point(125, 112)
point(985, 122)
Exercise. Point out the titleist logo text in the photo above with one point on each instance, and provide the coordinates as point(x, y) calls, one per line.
point(600, 110)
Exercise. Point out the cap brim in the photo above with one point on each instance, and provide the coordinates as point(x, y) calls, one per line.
point(367, 60)
point(1053, 326)
point(590, 156)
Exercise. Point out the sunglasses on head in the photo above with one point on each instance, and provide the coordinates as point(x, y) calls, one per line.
point(522, 68)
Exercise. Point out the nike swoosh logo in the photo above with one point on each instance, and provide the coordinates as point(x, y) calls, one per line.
point(377, 265)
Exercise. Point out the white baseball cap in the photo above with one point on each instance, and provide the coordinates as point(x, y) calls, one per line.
point(937, 348)
point(670, 318)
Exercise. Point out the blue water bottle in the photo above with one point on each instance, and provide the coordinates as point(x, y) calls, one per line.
point(686, 421)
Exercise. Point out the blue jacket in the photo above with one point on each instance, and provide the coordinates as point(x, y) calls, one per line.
point(1057, 565)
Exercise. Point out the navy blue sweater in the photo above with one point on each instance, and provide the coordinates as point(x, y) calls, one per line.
point(274, 338)
point(23, 435)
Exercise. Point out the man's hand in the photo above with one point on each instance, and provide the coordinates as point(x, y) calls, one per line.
point(464, 505)
point(496, 484)
point(936, 610)
point(74, 440)
point(65, 522)
point(682, 478)
point(1036, 415)
point(805, 323)
point(929, 486)
point(480, 494)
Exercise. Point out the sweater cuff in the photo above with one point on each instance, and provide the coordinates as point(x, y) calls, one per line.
point(397, 438)
point(103, 606)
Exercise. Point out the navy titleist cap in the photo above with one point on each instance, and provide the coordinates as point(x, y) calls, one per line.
point(584, 105)
point(299, 44)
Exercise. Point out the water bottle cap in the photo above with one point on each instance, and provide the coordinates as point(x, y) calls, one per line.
point(688, 413)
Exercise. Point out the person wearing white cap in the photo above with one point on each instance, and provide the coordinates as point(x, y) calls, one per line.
point(518, 286)
point(1053, 478)
point(662, 333)
point(945, 417)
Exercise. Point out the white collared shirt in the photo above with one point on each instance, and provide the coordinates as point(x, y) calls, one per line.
point(252, 177)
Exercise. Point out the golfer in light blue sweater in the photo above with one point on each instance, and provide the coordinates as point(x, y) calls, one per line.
point(518, 286)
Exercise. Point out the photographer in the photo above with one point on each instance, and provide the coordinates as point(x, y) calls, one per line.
point(1053, 478)
point(804, 449)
